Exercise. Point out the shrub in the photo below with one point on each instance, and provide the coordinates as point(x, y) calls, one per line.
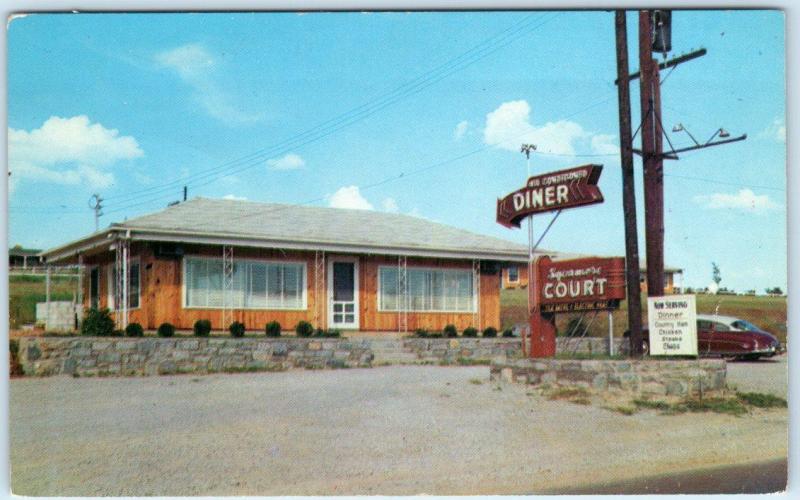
point(319, 332)
point(14, 364)
point(202, 328)
point(508, 332)
point(118, 332)
point(490, 331)
point(134, 330)
point(421, 332)
point(450, 331)
point(435, 335)
point(470, 332)
point(333, 333)
point(304, 329)
point(273, 329)
point(237, 329)
point(166, 330)
point(97, 323)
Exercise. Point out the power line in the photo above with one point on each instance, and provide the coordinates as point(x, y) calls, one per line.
point(361, 112)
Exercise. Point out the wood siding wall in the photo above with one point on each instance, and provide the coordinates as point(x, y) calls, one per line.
point(161, 292)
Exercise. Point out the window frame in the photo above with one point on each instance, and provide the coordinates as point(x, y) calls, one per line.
point(473, 303)
point(110, 302)
point(304, 285)
point(509, 274)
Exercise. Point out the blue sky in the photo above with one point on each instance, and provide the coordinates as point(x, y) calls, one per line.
point(420, 113)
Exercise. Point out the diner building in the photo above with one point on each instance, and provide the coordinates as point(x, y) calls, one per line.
point(227, 260)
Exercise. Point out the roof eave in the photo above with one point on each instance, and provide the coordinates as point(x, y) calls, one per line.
point(148, 234)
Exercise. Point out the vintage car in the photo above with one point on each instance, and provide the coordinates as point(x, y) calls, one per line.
point(728, 337)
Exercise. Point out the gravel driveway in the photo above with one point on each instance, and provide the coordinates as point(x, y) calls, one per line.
point(391, 430)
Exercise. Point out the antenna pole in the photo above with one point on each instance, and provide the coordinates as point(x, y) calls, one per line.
point(96, 204)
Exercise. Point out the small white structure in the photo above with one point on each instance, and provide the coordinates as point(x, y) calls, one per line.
point(60, 315)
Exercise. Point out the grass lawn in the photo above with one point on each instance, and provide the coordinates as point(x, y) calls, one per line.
point(25, 291)
point(768, 313)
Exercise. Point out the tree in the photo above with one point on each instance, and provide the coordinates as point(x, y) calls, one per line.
point(715, 275)
point(774, 291)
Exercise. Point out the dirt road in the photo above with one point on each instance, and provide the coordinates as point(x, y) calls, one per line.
point(390, 430)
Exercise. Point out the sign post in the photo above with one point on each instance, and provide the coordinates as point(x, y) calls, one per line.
point(672, 321)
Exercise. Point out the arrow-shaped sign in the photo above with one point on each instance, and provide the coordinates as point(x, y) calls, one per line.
point(569, 188)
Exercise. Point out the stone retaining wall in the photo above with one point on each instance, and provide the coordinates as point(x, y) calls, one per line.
point(659, 377)
point(89, 356)
point(453, 350)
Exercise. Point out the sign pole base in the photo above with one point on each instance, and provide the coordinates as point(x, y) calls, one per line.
point(543, 335)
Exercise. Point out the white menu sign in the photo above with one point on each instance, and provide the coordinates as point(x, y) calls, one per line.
point(672, 320)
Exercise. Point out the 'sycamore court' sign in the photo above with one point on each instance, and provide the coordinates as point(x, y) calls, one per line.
point(575, 285)
point(589, 284)
point(569, 188)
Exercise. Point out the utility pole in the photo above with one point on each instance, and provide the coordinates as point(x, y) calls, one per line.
point(96, 204)
point(628, 191)
point(528, 149)
point(185, 191)
point(650, 100)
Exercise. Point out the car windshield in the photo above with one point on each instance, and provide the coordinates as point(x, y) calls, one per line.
point(744, 325)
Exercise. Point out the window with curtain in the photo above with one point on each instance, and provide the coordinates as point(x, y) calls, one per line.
point(256, 284)
point(439, 290)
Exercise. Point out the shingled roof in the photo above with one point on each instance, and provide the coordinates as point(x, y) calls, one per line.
point(214, 221)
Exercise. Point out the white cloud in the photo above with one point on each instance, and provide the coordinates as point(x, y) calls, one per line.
point(460, 130)
point(69, 151)
point(390, 205)
point(745, 199)
point(196, 66)
point(290, 161)
point(234, 197)
point(775, 131)
point(349, 197)
point(510, 125)
point(604, 144)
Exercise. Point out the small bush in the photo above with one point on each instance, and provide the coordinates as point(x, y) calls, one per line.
point(450, 331)
point(118, 332)
point(166, 330)
point(304, 329)
point(319, 332)
point(435, 335)
point(421, 333)
point(273, 329)
point(202, 328)
point(14, 364)
point(97, 323)
point(508, 332)
point(470, 332)
point(490, 332)
point(333, 333)
point(134, 330)
point(237, 329)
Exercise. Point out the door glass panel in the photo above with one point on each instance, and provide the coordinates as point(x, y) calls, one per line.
point(337, 318)
point(349, 318)
point(349, 308)
point(94, 288)
point(343, 281)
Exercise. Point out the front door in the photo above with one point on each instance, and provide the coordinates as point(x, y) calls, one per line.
point(343, 294)
point(94, 288)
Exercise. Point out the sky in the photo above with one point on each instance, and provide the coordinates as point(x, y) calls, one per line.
point(415, 113)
